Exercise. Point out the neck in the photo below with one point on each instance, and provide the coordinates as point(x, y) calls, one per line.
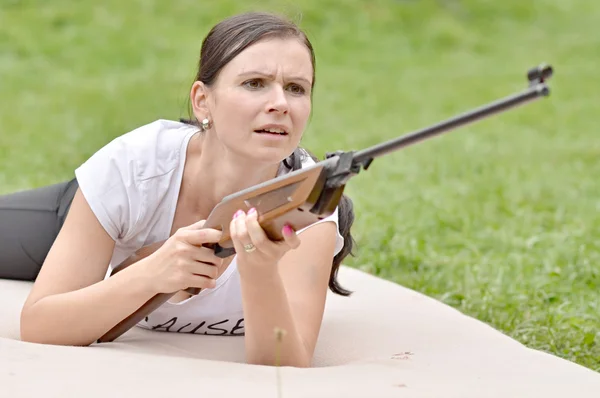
point(212, 172)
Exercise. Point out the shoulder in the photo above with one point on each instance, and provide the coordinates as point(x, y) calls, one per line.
point(113, 180)
point(145, 152)
point(150, 150)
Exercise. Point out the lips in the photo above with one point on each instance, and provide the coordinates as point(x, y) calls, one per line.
point(268, 132)
point(272, 129)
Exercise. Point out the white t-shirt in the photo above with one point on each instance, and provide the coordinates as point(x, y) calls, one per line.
point(132, 186)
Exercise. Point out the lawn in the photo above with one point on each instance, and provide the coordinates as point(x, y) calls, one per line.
point(499, 219)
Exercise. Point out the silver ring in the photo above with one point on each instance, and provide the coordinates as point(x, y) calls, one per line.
point(249, 247)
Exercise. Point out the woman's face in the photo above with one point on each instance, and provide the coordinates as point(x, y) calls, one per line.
point(261, 101)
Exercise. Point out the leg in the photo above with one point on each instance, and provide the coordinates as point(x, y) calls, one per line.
point(29, 223)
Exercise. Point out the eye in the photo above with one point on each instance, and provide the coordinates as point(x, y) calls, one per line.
point(296, 89)
point(253, 84)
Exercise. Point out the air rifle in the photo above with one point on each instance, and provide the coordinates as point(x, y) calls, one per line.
point(305, 196)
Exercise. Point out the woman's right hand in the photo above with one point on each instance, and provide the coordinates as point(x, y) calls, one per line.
point(182, 262)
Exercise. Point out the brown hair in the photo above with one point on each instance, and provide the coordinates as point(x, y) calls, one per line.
point(223, 43)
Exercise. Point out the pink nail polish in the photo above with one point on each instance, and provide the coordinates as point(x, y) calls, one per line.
point(237, 214)
point(252, 211)
point(288, 230)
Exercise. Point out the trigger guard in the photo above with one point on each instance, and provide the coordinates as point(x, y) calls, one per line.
point(223, 252)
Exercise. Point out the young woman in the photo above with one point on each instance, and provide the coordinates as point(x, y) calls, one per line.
point(148, 188)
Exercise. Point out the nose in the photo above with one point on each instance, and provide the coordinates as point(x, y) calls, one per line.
point(278, 102)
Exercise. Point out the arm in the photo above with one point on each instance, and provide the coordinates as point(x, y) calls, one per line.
point(289, 296)
point(72, 278)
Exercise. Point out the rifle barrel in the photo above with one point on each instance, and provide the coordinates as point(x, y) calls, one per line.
point(532, 93)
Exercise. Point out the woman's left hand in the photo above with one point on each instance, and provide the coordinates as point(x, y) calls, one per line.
point(253, 247)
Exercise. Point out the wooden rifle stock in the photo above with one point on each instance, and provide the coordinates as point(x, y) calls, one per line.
point(303, 197)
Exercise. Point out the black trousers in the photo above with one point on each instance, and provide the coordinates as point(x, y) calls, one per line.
point(29, 223)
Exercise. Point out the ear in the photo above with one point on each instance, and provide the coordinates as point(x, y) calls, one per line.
point(198, 98)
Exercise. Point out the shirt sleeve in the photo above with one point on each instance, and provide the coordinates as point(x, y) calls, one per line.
point(339, 241)
point(108, 183)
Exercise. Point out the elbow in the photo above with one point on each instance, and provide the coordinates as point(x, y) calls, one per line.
point(294, 353)
point(33, 335)
point(28, 331)
point(29, 336)
point(268, 362)
point(32, 331)
point(297, 361)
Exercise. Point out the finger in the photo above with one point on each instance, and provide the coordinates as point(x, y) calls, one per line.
point(233, 233)
point(263, 242)
point(241, 229)
point(197, 225)
point(197, 237)
point(203, 269)
point(239, 247)
point(237, 230)
point(290, 236)
point(201, 282)
point(206, 255)
point(256, 233)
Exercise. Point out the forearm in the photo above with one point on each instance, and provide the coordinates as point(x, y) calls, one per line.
point(267, 310)
point(82, 316)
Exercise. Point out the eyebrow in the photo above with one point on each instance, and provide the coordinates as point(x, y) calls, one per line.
point(270, 75)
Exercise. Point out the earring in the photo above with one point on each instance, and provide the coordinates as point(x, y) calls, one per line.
point(205, 124)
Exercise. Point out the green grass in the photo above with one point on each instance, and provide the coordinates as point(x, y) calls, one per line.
point(499, 219)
